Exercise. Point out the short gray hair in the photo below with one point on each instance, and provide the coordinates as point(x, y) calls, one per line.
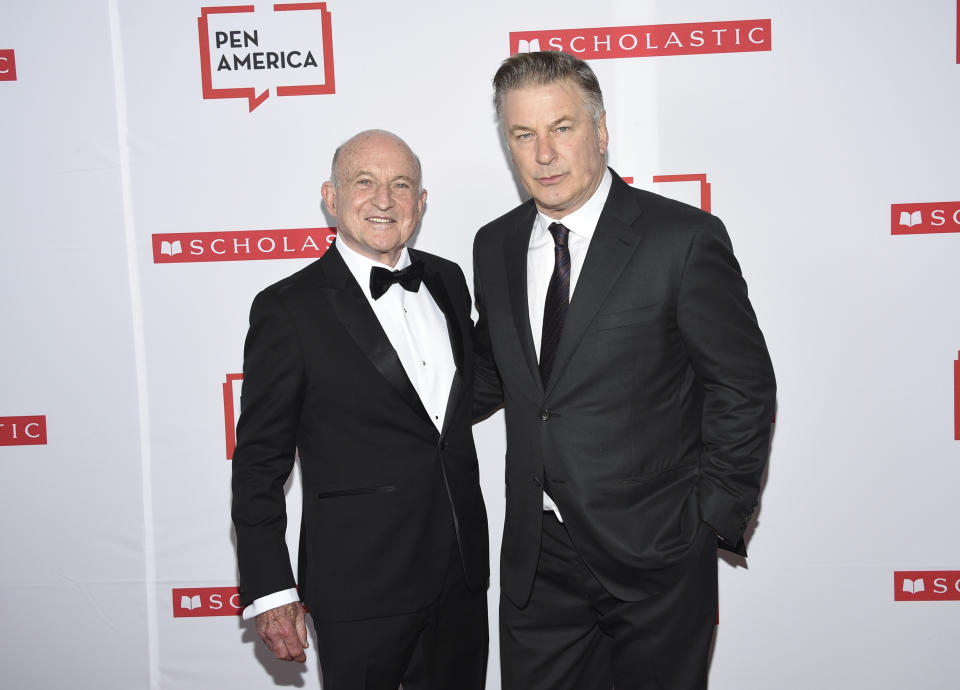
point(544, 68)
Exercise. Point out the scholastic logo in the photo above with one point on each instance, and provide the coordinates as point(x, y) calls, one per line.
point(926, 585)
point(244, 52)
point(242, 245)
point(23, 431)
point(201, 602)
point(8, 66)
point(231, 410)
point(925, 219)
point(654, 40)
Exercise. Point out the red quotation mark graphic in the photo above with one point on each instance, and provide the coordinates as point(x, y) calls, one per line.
point(8, 66)
point(230, 387)
point(956, 398)
point(705, 199)
point(250, 93)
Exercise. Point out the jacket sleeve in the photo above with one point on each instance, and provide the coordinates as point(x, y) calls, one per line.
point(271, 397)
point(487, 386)
point(728, 353)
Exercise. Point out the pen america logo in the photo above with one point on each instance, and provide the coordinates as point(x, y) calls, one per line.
point(926, 585)
point(241, 245)
point(23, 431)
point(925, 219)
point(244, 52)
point(654, 40)
point(202, 602)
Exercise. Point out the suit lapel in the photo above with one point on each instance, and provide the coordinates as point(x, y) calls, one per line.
point(438, 290)
point(515, 249)
point(613, 243)
point(351, 307)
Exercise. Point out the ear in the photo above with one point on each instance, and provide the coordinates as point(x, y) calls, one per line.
point(602, 135)
point(329, 193)
point(421, 203)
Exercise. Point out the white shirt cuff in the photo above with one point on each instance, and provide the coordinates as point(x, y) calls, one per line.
point(271, 601)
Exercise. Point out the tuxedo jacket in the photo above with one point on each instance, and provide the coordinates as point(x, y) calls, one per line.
point(383, 489)
point(655, 424)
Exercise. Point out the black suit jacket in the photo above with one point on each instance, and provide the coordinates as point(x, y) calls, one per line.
point(382, 488)
point(657, 416)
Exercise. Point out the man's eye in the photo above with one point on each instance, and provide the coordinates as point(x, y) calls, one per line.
point(402, 185)
point(363, 183)
point(564, 128)
point(523, 136)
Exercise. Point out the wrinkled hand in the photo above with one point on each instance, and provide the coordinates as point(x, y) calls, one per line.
point(284, 631)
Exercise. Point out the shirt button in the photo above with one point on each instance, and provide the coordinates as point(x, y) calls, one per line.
point(423, 363)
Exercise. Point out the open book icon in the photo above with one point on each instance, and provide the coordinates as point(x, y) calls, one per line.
point(171, 248)
point(913, 586)
point(911, 219)
point(190, 603)
point(526, 46)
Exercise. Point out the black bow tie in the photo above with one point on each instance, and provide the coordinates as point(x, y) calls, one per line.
point(409, 278)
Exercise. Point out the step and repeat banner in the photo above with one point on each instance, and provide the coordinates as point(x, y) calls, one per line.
point(161, 162)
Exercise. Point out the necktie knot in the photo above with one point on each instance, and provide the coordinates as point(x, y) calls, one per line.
point(560, 233)
point(409, 278)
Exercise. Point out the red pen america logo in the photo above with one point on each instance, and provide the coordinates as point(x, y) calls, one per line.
point(925, 218)
point(654, 40)
point(926, 585)
point(231, 410)
point(245, 52)
point(23, 431)
point(242, 245)
point(8, 66)
point(203, 602)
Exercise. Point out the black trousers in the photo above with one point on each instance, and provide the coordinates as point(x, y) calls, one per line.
point(442, 647)
point(574, 635)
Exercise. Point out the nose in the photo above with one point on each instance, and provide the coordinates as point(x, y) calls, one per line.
point(545, 152)
point(382, 198)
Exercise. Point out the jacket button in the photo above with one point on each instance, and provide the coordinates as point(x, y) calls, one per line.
point(544, 415)
point(443, 445)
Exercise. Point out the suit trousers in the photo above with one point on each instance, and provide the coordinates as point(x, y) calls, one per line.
point(574, 635)
point(441, 647)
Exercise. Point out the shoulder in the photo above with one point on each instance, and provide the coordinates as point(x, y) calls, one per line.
point(436, 263)
point(499, 227)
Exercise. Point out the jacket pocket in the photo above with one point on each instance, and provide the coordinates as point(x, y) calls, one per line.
point(360, 491)
point(619, 319)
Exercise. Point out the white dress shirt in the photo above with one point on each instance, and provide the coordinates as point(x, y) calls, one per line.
point(417, 330)
point(540, 261)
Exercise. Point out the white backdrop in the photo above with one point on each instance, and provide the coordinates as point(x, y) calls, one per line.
point(118, 558)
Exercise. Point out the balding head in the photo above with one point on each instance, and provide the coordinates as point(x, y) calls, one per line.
point(365, 141)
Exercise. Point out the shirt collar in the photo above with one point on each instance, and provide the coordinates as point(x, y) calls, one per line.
point(360, 265)
point(584, 220)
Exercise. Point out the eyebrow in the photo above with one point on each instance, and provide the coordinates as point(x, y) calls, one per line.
point(563, 118)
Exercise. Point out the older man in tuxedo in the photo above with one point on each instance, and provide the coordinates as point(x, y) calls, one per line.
point(615, 329)
point(363, 363)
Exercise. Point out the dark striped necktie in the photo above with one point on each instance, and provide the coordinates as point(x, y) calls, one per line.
point(558, 299)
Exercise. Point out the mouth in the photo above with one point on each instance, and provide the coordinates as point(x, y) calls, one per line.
point(552, 179)
point(380, 220)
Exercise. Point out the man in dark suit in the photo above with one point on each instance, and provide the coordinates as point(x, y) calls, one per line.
point(363, 363)
point(614, 327)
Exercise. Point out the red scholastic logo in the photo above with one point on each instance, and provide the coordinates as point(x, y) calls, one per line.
point(243, 52)
point(231, 410)
point(23, 431)
point(8, 66)
point(242, 245)
point(698, 38)
point(202, 602)
point(925, 219)
point(926, 585)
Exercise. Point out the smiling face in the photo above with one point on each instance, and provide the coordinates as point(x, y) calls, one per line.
point(375, 196)
point(558, 150)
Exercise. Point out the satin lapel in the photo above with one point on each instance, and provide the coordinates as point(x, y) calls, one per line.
point(354, 312)
point(438, 291)
point(515, 259)
point(614, 242)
